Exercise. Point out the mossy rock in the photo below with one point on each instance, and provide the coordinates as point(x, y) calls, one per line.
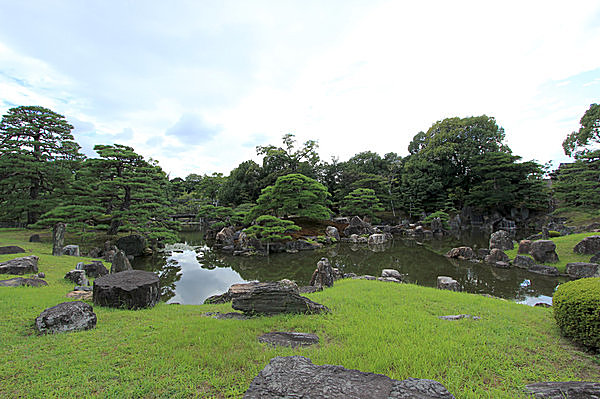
point(577, 311)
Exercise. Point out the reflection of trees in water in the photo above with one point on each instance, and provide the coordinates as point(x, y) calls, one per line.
point(169, 275)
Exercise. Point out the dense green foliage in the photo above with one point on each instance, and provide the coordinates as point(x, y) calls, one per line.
point(587, 135)
point(577, 310)
point(577, 184)
point(361, 202)
point(269, 229)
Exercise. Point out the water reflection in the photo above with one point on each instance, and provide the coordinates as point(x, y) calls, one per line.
point(190, 276)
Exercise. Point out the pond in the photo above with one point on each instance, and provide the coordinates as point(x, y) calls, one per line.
point(191, 272)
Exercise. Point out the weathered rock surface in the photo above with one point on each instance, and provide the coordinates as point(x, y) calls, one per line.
point(20, 282)
point(58, 238)
point(436, 225)
point(77, 276)
point(66, 316)
point(595, 258)
point(501, 240)
point(460, 253)
point(544, 251)
point(309, 289)
point(524, 246)
point(226, 316)
point(459, 317)
point(332, 232)
point(297, 377)
point(233, 291)
point(356, 239)
point(20, 266)
point(81, 295)
point(132, 245)
point(94, 270)
point(543, 269)
point(482, 253)
point(496, 255)
point(564, 390)
point(448, 283)
point(302, 245)
point(378, 239)
point(393, 273)
point(358, 227)
point(583, 270)
point(323, 274)
point(290, 339)
point(523, 262)
point(225, 237)
point(275, 298)
point(131, 289)
point(11, 249)
point(588, 246)
point(388, 279)
point(70, 250)
point(501, 265)
point(120, 263)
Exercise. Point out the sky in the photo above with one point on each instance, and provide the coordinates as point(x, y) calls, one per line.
point(197, 85)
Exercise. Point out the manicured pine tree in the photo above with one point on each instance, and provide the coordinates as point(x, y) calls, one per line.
point(361, 202)
point(269, 229)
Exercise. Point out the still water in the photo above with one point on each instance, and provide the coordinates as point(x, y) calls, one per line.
point(191, 272)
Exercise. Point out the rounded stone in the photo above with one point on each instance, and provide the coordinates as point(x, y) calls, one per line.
point(131, 289)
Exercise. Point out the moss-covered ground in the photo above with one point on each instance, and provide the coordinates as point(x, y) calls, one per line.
point(172, 351)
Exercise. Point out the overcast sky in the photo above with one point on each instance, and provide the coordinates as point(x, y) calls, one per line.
point(198, 84)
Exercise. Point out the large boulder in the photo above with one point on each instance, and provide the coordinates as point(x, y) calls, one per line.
point(132, 245)
point(66, 316)
point(496, 255)
point(543, 269)
point(460, 253)
point(225, 237)
point(23, 282)
point(379, 239)
point(588, 246)
point(448, 283)
point(524, 247)
point(11, 249)
point(20, 266)
point(583, 270)
point(501, 240)
point(298, 377)
point(275, 298)
point(332, 232)
point(392, 273)
point(323, 274)
point(131, 289)
point(70, 250)
point(523, 262)
point(544, 251)
point(94, 269)
point(120, 263)
point(564, 390)
point(77, 276)
point(358, 227)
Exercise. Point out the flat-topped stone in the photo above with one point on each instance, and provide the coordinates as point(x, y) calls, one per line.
point(290, 339)
point(275, 298)
point(23, 282)
point(564, 390)
point(131, 289)
point(583, 269)
point(11, 249)
point(20, 266)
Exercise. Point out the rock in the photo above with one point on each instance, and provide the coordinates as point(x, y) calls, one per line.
point(289, 339)
point(81, 295)
point(94, 270)
point(66, 316)
point(302, 245)
point(77, 276)
point(226, 316)
point(70, 250)
point(35, 238)
point(356, 239)
point(95, 252)
point(482, 253)
point(524, 246)
point(501, 240)
point(131, 289)
point(391, 273)
point(543, 269)
point(388, 279)
point(41, 275)
point(275, 298)
point(349, 275)
point(364, 277)
point(309, 289)
point(132, 245)
point(217, 299)
point(542, 305)
point(20, 266)
point(564, 390)
point(332, 232)
point(120, 263)
point(83, 288)
point(11, 249)
point(459, 317)
point(58, 238)
point(225, 237)
point(298, 377)
point(460, 253)
point(523, 262)
point(323, 274)
point(496, 255)
point(588, 246)
point(358, 227)
point(448, 283)
point(436, 225)
point(583, 270)
point(501, 265)
point(378, 239)
point(544, 251)
point(21, 282)
point(595, 258)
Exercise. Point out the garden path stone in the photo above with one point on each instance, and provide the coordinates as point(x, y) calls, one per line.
point(131, 289)
point(20, 266)
point(11, 249)
point(20, 282)
point(290, 339)
point(81, 295)
point(65, 317)
point(298, 377)
point(564, 390)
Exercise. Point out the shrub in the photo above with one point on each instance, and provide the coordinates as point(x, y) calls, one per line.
point(577, 310)
point(553, 234)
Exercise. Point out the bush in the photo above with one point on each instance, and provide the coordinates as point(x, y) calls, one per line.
point(577, 310)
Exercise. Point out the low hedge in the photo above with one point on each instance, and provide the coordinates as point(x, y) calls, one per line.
point(577, 310)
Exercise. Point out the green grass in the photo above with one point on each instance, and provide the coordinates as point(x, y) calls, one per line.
point(578, 217)
point(171, 351)
point(564, 249)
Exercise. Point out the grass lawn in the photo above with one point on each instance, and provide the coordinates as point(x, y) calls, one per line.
point(564, 249)
point(171, 351)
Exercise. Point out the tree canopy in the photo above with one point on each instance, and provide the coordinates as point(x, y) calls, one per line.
point(587, 135)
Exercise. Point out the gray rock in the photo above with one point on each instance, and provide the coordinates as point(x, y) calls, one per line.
point(20, 266)
point(544, 251)
point(131, 289)
point(289, 339)
point(66, 316)
point(588, 246)
point(225, 237)
point(364, 277)
point(391, 273)
point(460, 253)
point(564, 390)
point(524, 246)
point(501, 265)
point(302, 245)
point(436, 225)
point(297, 377)
point(309, 289)
point(356, 239)
point(275, 298)
point(226, 316)
point(583, 270)
point(120, 263)
point(132, 245)
point(41, 275)
point(482, 253)
point(83, 288)
point(21, 282)
point(501, 240)
point(448, 283)
point(496, 255)
point(35, 238)
point(595, 258)
point(523, 262)
point(358, 227)
point(378, 239)
point(323, 274)
point(543, 269)
point(349, 275)
point(95, 269)
point(58, 238)
point(70, 250)
point(332, 232)
point(459, 317)
point(78, 277)
point(388, 279)
point(11, 249)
